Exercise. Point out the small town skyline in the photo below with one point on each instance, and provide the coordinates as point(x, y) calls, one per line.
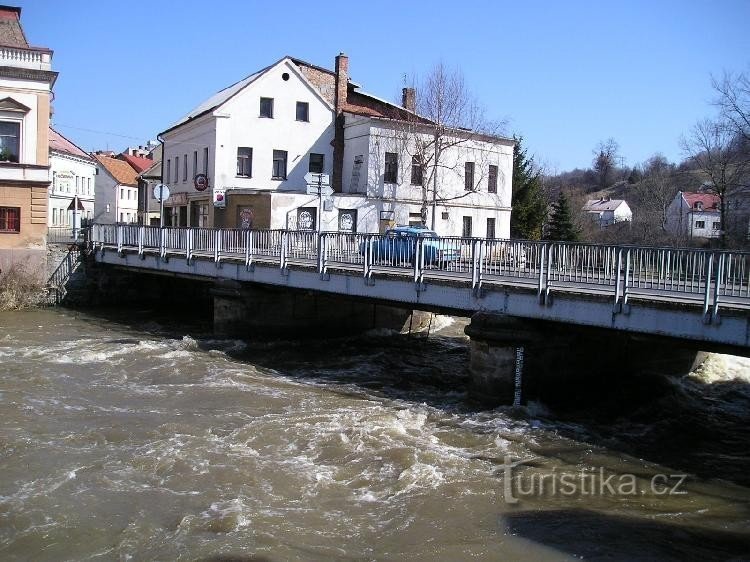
point(635, 73)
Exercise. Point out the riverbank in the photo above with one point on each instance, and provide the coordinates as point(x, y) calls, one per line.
point(21, 287)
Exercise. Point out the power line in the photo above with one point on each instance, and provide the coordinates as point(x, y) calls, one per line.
point(98, 132)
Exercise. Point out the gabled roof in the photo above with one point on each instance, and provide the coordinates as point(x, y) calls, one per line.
point(709, 201)
point(152, 173)
point(59, 143)
point(123, 172)
point(139, 163)
point(599, 205)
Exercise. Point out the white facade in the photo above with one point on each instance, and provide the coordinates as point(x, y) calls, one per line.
point(71, 176)
point(255, 162)
point(367, 140)
point(115, 201)
point(608, 211)
point(693, 215)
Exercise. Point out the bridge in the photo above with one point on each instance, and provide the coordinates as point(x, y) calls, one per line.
point(690, 294)
point(604, 310)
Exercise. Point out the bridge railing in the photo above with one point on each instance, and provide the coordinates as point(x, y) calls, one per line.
point(699, 275)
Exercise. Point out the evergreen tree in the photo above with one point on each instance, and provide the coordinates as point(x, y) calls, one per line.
point(529, 203)
point(561, 227)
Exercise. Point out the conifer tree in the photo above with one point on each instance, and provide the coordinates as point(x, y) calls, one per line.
point(529, 203)
point(561, 227)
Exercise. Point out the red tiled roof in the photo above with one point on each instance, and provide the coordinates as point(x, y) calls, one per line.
point(709, 200)
point(140, 164)
point(123, 172)
point(59, 143)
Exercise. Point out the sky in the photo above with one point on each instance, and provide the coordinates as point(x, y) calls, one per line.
point(564, 75)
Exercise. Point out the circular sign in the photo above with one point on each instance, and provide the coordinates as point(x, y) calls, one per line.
point(200, 182)
point(161, 192)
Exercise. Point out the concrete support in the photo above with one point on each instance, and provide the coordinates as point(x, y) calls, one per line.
point(257, 311)
point(561, 360)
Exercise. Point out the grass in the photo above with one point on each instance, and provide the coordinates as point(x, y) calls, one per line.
point(20, 287)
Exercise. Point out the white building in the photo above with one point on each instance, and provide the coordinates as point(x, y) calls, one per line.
point(694, 215)
point(240, 158)
point(73, 174)
point(116, 190)
point(606, 211)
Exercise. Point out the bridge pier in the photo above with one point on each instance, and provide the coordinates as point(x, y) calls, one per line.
point(245, 310)
point(562, 363)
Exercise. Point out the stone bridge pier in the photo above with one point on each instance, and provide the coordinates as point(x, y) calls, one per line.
point(563, 359)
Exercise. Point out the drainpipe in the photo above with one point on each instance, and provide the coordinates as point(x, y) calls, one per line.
point(161, 202)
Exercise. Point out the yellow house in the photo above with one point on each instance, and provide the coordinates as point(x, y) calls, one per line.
point(26, 81)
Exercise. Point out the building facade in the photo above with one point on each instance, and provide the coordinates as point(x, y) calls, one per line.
point(606, 211)
point(26, 81)
point(694, 215)
point(116, 190)
point(240, 160)
point(73, 176)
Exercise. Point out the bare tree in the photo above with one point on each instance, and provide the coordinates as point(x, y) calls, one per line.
point(733, 101)
point(447, 121)
point(604, 164)
point(712, 147)
point(657, 190)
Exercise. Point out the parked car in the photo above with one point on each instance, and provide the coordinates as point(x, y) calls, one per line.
point(399, 245)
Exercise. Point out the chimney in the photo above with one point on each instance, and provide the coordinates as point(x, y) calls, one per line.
point(342, 80)
point(409, 99)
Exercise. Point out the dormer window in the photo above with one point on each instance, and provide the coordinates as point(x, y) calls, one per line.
point(698, 206)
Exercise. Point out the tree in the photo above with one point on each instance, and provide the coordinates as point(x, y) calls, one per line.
point(561, 226)
point(605, 161)
point(733, 101)
point(447, 118)
point(529, 203)
point(655, 192)
point(715, 150)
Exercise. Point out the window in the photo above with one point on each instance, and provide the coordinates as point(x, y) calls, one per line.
point(122, 193)
point(279, 165)
point(391, 168)
point(203, 215)
point(492, 183)
point(184, 168)
point(491, 228)
point(10, 133)
point(266, 107)
point(176, 169)
point(316, 163)
point(303, 111)
point(88, 185)
point(78, 183)
point(348, 220)
point(54, 216)
point(415, 219)
point(195, 163)
point(717, 226)
point(122, 217)
point(416, 170)
point(205, 161)
point(168, 172)
point(466, 231)
point(245, 161)
point(469, 176)
point(700, 224)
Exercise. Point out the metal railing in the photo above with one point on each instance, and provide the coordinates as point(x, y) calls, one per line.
point(706, 277)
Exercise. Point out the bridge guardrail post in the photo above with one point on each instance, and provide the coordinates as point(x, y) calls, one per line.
point(162, 243)
point(322, 254)
point(189, 244)
point(141, 235)
point(284, 254)
point(368, 257)
point(248, 242)
point(217, 245)
point(707, 289)
point(542, 271)
point(119, 238)
point(717, 285)
point(618, 282)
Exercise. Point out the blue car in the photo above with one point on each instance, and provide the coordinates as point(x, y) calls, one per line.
point(399, 245)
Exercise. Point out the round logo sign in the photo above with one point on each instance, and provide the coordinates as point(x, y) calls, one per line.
point(200, 182)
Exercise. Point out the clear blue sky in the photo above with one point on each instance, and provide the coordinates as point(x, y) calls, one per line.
point(565, 74)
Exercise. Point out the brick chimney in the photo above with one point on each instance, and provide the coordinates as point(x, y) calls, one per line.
point(342, 80)
point(339, 102)
point(409, 99)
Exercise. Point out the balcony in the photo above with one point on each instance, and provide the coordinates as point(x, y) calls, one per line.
point(33, 58)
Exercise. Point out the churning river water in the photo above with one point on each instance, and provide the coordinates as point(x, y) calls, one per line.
point(146, 439)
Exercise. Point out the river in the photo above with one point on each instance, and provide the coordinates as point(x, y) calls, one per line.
point(140, 437)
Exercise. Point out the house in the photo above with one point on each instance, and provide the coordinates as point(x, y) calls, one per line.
point(73, 175)
point(148, 205)
point(26, 81)
point(606, 211)
point(116, 190)
point(240, 158)
point(694, 215)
